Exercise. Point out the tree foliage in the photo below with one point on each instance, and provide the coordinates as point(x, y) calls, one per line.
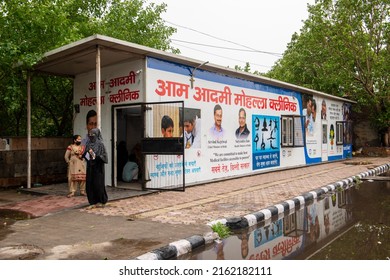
point(343, 49)
point(28, 29)
point(247, 69)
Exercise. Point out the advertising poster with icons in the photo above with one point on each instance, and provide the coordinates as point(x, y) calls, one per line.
point(265, 141)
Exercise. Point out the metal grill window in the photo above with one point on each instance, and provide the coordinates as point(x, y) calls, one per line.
point(292, 132)
point(339, 133)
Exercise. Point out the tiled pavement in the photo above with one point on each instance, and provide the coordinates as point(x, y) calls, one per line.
point(203, 203)
point(52, 198)
point(148, 222)
point(234, 197)
point(43, 205)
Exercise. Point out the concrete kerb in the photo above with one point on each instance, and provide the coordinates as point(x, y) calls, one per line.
point(179, 247)
point(184, 246)
point(299, 201)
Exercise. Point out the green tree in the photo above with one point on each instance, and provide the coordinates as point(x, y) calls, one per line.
point(246, 68)
point(30, 28)
point(343, 50)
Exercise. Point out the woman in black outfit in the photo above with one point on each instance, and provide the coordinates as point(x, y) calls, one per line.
point(96, 157)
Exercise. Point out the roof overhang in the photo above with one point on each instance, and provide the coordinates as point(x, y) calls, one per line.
point(80, 57)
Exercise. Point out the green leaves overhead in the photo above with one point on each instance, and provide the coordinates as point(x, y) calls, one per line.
point(28, 29)
point(343, 50)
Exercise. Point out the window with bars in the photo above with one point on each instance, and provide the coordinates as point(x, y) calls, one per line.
point(339, 133)
point(292, 132)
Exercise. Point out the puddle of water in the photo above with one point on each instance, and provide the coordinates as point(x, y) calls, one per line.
point(8, 217)
point(351, 224)
point(9, 214)
point(118, 249)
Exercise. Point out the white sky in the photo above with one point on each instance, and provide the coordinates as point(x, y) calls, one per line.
point(261, 25)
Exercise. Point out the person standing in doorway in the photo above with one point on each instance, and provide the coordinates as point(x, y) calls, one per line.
point(96, 155)
point(76, 166)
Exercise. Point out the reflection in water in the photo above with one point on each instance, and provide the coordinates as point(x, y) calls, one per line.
point(218, 246)
point(369, 238)
point(244, 237)
point(306, 232)
point(8, 217)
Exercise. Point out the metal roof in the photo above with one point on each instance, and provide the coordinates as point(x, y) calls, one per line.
point(80, 57)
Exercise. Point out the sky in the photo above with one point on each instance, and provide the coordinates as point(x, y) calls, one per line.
point(235, 31)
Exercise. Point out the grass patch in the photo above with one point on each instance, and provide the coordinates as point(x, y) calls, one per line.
point(222, 230)
point(358, 181)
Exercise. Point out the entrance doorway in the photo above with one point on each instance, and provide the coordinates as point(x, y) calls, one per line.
point(163, 146)
point(150, 137)
point(128, 132)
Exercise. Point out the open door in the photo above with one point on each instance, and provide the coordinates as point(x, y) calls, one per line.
point(163, 146)
point(127, 133)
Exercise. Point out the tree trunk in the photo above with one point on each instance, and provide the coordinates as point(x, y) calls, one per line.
point(387, 138)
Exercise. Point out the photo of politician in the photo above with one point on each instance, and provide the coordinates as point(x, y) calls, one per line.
point(216, 131)
point(242, 132)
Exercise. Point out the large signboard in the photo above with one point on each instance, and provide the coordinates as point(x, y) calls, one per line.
point(237, 123)
point(231, 126)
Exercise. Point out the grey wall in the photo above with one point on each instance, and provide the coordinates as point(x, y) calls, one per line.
point(47, 161)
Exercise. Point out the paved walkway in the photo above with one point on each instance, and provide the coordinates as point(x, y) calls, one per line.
point(49, 199)
point(132, 226)
point(235, 197)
